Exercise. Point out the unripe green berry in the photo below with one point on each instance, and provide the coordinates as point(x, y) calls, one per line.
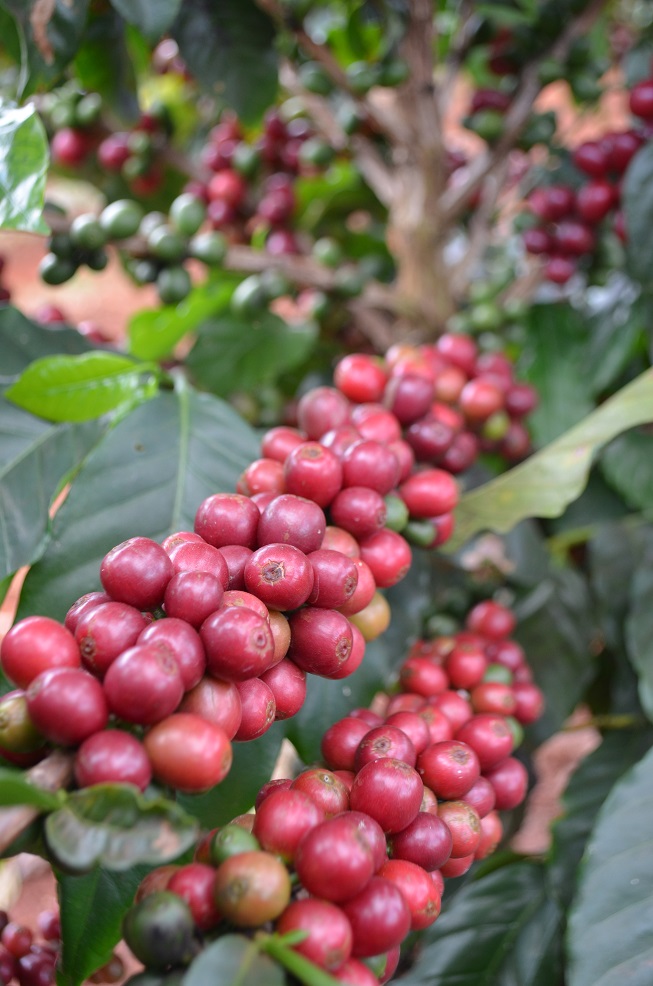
point(121, 219)
point(87, 233)
point(173, 285)
point(187, 213)
point(56, 270)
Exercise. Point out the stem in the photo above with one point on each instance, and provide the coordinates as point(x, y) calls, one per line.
point(303, 969)
point(51, 774)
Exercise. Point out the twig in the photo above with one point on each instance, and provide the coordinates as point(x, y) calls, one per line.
point(51, 774)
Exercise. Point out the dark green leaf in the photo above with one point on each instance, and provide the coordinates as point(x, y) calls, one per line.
point(23, 167)
point(252, 766)
point(234, 353)
point(153, 333)
point(501, 930)
point(639, 631)
point(553, 361)
point(637, 201)
point(114, 826)
point(229, 48)
point(103, 64)
point(35, 456)
point(22, 341)
point(233, 960)
point(79, 388)
point(598, 504)
point(609, 936)
point(614, 555)
point(15, 789)
point(148, 477)
point(555, 628)
point(548, 481)
point(92, 907)
point(627, 465)
point(616, 332)
point(51, 34)
point(152, 17)
point(588, 788)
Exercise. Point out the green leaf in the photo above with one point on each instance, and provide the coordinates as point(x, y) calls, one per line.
point(627, 464)
point(152, 17)
point(103, 63)
point(616, 331)
point(92, 907)
point(50, 35)
point(78, 388)
point(614, 555)
point(153, 333)
point(23, 341)
point(501, 930)
point(252, 766)
point(15, 789)
point(553, 362)
point(233, 960)
point(637, 201)
point(24, 157)
point(555, 627)
point(234, 353)
point(114, 826)
point(147, 477)
point(34, 456)
point(229, 48)
point(548, 481)
point(588, 788)
point(609, 935)
point(638, 630)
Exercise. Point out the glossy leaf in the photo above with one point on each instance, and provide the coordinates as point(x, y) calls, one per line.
point(15, 789)
point(153, 333)
point(639, 629)
point(79, 388)
point(36, 456)
point(252, 766)
point(22, 341)
point(627, 465)
point(588, 788)
point(92, 907)
point(103, 63)
point(152, 17)
point(616, 333)
point(24, 160)
point(609, 934)
point(50, 35)
point(501, 930)
point(114, 826)
point(553, 360)
point(637, 202)
point(614, 555)
point(233, 960)
point(548, 481)
point(229, 48)
point(233, 353)
point(148, 477)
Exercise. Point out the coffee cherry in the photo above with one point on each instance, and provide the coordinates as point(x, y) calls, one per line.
point(144, 685)
point(188, 753)
point(184, 644)
point(379, 917)
point(329, 938)
point(258, 708)
point(384, 741)
point(112, 756)
point(227, 519)
point(350, 861)
point(314, 472)
point(489, 736)
point(103, 632)
point(159, 930)
point(388, 556)
point(388, 790)
point(217, 702)
point(136, 572)
point(282, 820)
point(67, 705)
point(321, 640)
point(292, 520)
point(509, 778)
point(252, 888)
point(36, 644)
point(340, 742)
point(195, 884)
point(238, 643)
point(280, 575)
point(321, 410)
point(231, 840)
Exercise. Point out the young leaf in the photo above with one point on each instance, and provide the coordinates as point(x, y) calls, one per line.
point(23, 166)
point(548, 481)
point(233, 960)
point(92, 907)
point(69, 388)
point(500, 930)
point(114, 826)
point(15, 789)
point(609, 934)
point(147, 477)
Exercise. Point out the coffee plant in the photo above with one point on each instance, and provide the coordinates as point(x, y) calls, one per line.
point(304, 562)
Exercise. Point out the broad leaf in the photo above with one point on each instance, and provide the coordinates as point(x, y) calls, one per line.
point(23, 341)
point(588, 788)
point(233, 960)
point(553, 362)
point(627, 464)
point(501, 930)
point(114, 826)
point(609, 936)
point(639, 630)
point(36, 457)
point(252, 766)
point(614, 555)
point(153, 333)
point(92, 907)
point(15, 789)
point(79, 388)
point(229, 48)
point(548, 481)
point(233, 353)
point(24, 160)
point(103, 63)
point(616, 332)
point(50, 35)
point(148, 477)
point(152, 17)
point(637, 200)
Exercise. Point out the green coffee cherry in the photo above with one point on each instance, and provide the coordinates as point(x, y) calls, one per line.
point(96, 259)
point(159, 930)
point(150, 222)
point(327, 251)
point(249, 297)
point(488, 124)
point(313, 78)
point(173, 285)
point(88, 109)
point(62, 245)
point(361, 76)
point(87, 233)
point(56, 270)
point(210, 248)
point(143, 271)
point(121, 219)
point(187, 213)
point(316, 152)
point(231, 840)
point(486, 317)
point(394, 72)
point(274, 284)
point(396, 512)
point(246, 160)
point(349, 281)
point(165, 243)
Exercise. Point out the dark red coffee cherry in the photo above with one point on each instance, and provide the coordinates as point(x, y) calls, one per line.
point(136, 572)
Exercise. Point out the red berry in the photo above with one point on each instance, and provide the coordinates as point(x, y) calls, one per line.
point(258, 709)
point(238, 643)
point(388, 790)
point(103, 632)
point(144, 684)
point(283, 818)
point(112, 756)
point(184, 644)
point(379, 916)
point(227, 519)
point(67, 705)
point(360, 377)
point(287, 682)
point(334, 860)
point(329, 937)
point(217, 702)
point(418, 890)
point(321, 640)
point(36, 644)
point(388, 556)
point(136, 572)
point(280, 575)
point(314, 472)
point(449, 769)
point(188, 753)
point(640, 100)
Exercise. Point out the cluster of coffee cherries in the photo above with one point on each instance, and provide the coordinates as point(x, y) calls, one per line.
point(354, 855)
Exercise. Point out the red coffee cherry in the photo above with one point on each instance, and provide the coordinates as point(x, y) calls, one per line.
point(112, 756)
point(340, 742)
point(314, 472)
point(364, 592)
point(421, 676)
point(144, 684)
point(238, 643)
point(292, 520)
point(389, 791)
point(280, 575)
point(418, 890)
point(465, 826)
point(335, 577)
point(510, 782)
point(329, 937)
point(195, 883)
point(320, 410)
point(427, 841)
point(227, 519)
point(429, 493)
point(360, 377)
point(384, 741)
point(328, 792)
point(489, 736)
point(491, 835)
point(252, 888)
point(321, 640)
point(287, 683)
point(261, 476)
point(184, 644)
point(353, 972)
point(192, 596)
point(236, 556)
point(379, 917)
point(36, 644)
point(81, 606)
point(481, 796)
point(188, 753)
point(413, 726)
point(67, 705)
point(105, 631)
point(278, 443)
point(216, 701)
point(136, 572)
point(388, 556)
point(334, 860)
point(283, 818)
point(449, 768)
point(242, 599)
point(372, 464)
point(530, 702)
point(359, 510)
point(258, 709)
